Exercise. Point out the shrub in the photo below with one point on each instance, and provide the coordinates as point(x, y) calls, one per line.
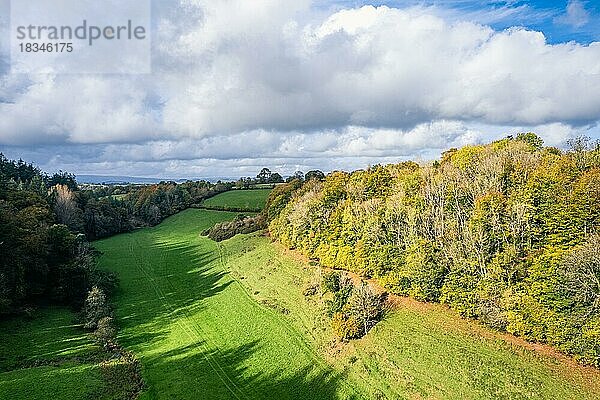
point(491, 314)
point(331, 282)
point(105, 280)
point(344, 327)
point(353, 310)
point(340, 297)
point(241, 225)
point(95, 308)
point(105, 332)
point(366, 306)
point(311, 289)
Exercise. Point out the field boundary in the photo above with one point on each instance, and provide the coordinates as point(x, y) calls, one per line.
point(224, 208)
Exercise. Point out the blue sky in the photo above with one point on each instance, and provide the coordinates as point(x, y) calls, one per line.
point(549, 16)
point(302, 84)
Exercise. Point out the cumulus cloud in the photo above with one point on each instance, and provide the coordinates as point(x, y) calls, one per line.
point(281, 80)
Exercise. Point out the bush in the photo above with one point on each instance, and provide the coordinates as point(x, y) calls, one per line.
point(311, 289)
point(241, 225)
point(353, 310)
point(340, 297)
point(345, 327)
point(331, 282)
point(105, 280)
point(95, 308)
point(105, 332)
point(366, 306)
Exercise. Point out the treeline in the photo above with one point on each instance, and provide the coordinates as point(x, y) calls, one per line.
point(242, 224)
point(506, 233)
point(40, 259)
point(266, 177)
point(100, 214)
point(279, 197)
point(47, 220)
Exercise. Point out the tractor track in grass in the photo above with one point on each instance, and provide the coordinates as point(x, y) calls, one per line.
point(194, 332)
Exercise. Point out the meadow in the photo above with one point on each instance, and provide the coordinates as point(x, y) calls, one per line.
point(238, 200)
point(195, 329)
point(420, 350)
point(48, 356)
point(230, 320)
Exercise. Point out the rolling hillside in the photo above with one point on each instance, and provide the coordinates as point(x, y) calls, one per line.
point(196, 330)
point(230, 320)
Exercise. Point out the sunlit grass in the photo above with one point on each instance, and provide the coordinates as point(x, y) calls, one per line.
point(206, 321)
point(418, 351)
point(195, 329)
point(48, 356)
point(67, 381)
point(48, 334)
point(251, 200)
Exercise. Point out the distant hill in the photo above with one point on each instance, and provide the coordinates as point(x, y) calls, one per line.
point(109, 179)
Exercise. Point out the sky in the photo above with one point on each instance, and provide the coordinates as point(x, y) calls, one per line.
point(237, 85)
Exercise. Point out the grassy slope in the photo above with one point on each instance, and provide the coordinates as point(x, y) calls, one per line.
point(253, 200)
point(195, 329)
point(47, 357)
point(419, 351)
point(191, 310)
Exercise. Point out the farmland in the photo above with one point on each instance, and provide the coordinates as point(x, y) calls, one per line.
point(194, 327)
point(239, 200)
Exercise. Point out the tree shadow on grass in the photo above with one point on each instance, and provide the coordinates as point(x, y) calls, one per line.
point(164, 281)
point(158, 313)
point(51, 333)
point(225, 374)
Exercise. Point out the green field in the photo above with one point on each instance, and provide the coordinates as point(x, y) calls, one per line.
point(48, 356)
point(230, 321)
point(196, 330)
point(419, 351)
point(249, 200)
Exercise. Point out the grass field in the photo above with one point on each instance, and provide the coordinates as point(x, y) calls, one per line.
point(197, 332)
point(420, 351)
point(249, 200)
point(48, 356)
point(230, 321)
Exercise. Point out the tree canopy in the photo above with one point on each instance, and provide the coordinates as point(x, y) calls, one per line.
point(504, 232)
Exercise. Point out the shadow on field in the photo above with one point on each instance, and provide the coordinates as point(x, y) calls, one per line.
point(166, 281)
point(222, 374)
point(164, 286)
point(49, 334)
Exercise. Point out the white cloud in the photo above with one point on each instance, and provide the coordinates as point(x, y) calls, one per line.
point(82, 109)
point(246, 153)
point(576, 15)
point(279, 80)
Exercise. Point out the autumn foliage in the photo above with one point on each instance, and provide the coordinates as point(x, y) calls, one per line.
point(505, 233)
